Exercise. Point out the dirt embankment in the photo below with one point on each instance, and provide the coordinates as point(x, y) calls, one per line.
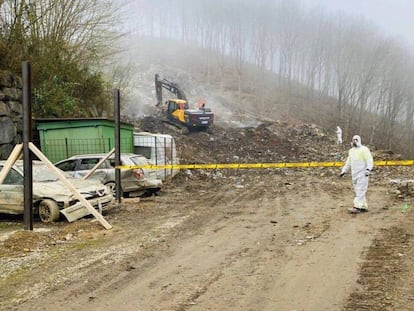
point(226, 240)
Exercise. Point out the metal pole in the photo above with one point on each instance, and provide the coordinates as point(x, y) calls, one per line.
point(171, 155)
point(66, 147)
point(117, 146)
point(165, 156)
point(27, 156)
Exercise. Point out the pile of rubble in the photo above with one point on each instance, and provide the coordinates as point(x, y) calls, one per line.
point(271, 142)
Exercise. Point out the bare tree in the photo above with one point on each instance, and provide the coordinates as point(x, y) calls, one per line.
point(345, 60)
point(238, 30)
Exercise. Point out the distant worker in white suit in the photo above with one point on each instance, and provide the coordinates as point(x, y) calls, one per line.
point(361, 163)
point(338, 135)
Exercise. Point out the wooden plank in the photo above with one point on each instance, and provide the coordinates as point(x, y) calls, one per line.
point(80, 197)
point(98, 164)
point(13, 157)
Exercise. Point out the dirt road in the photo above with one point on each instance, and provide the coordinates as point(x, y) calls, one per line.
point(250, 242)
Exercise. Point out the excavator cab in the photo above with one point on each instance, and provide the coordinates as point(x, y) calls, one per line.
point(176, 107)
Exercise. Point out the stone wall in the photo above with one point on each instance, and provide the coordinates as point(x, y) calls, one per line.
point(11, 110)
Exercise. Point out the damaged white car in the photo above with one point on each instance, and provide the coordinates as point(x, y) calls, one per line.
point(50, 196)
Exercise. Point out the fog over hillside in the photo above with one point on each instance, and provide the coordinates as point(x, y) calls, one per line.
point(146, 57)
point(271, 59)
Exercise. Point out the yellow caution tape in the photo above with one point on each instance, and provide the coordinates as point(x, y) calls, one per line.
point(259, 165)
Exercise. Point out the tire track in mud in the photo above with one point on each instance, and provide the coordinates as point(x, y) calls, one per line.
point(193, 293)
point(239, 246)
point(228, 284)
point(383, 275)
point(248, 269)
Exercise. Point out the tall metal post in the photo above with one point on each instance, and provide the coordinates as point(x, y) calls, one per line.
point(27, 155)
point(117, 145)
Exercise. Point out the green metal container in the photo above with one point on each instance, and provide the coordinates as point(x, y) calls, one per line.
point(62, 138)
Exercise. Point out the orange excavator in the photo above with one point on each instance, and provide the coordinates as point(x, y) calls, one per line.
point(178, 110)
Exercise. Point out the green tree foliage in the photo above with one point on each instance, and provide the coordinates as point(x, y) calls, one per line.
point(64, 41)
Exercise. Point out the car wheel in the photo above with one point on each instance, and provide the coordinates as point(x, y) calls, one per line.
point(48, 211)
point(112, 187)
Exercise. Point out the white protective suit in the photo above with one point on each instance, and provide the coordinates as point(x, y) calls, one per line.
point(338, 135)
point(360, 162)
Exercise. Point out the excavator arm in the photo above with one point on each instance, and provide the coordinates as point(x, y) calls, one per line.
point(168, 85)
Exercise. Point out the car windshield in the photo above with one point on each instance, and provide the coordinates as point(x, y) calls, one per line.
point(42, 173)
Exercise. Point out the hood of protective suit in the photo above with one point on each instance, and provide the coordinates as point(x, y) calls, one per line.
point(358, 140)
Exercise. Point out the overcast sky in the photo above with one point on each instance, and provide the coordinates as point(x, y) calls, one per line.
point(393, 17)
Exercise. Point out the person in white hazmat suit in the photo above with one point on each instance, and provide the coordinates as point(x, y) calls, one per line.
point(338, 135)
point(361, 163)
